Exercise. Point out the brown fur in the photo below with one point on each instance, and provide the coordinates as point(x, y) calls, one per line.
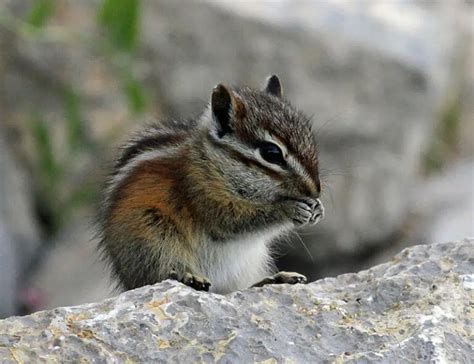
point(198, 192)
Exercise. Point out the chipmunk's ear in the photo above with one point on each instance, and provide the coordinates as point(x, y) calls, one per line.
point(273, 86)
point(224, 105)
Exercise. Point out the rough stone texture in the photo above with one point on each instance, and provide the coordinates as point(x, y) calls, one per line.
point(416, 308)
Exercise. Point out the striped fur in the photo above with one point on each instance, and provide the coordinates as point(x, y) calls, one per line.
point(195, 196)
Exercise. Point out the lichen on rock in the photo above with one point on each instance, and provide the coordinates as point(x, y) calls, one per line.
point(416, 308)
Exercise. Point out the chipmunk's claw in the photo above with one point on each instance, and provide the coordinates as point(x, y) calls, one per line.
point(318, 213)
point(306, 211)
point(190, 280)
point(281, 278)
point(289, 278)
point(196, 282)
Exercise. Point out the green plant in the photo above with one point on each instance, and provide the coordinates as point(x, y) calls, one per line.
point(48, 173)
point(120, 20)
point(54, 162)
point(40, 13)
point(134, 93)
point(76, 135)
point(54, 166)
point(446, 137)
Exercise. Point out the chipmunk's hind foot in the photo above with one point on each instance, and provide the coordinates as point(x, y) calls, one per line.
point(282, 277)
point(190, 280)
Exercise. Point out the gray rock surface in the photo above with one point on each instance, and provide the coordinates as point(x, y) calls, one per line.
point(19, 233)
point(449, 197)
point(72, 273)
point(416, 308)
point(9, 273)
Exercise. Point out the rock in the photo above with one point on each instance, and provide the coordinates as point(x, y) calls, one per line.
point(9, 274)
point(444, 210)
point(417, 307)
point(449, 197)
point(19, 233)
point(71, 272)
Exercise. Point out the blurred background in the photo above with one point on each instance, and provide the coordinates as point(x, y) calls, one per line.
point(389, 86)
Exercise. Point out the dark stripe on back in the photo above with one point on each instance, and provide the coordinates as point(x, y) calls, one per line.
point(144, 144)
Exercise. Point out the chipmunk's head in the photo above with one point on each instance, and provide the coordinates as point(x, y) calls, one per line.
point(264, 148)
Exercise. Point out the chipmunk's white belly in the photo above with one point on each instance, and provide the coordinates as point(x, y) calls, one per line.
point(239, 263)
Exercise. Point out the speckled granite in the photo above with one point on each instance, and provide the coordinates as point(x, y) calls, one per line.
point(416, 308)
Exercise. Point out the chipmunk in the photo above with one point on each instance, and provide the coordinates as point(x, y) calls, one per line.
point(201, 200)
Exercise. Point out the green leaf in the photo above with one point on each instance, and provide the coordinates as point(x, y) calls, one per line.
point(49, 168)
point(450, 121)
point(74, 126)
point(49, 174)
point(446, 137)
point(40, 13)
point(120, 19)
point(135, 94)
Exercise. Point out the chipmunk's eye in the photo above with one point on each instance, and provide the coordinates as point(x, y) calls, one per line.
point(271, 153)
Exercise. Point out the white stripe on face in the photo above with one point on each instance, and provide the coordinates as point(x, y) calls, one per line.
point(254, 153)
point(291, 159)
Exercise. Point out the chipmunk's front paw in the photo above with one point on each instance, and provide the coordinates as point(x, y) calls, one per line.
point(282, 277)
point(318, 212)
point(305, 211)
point(190, 280)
